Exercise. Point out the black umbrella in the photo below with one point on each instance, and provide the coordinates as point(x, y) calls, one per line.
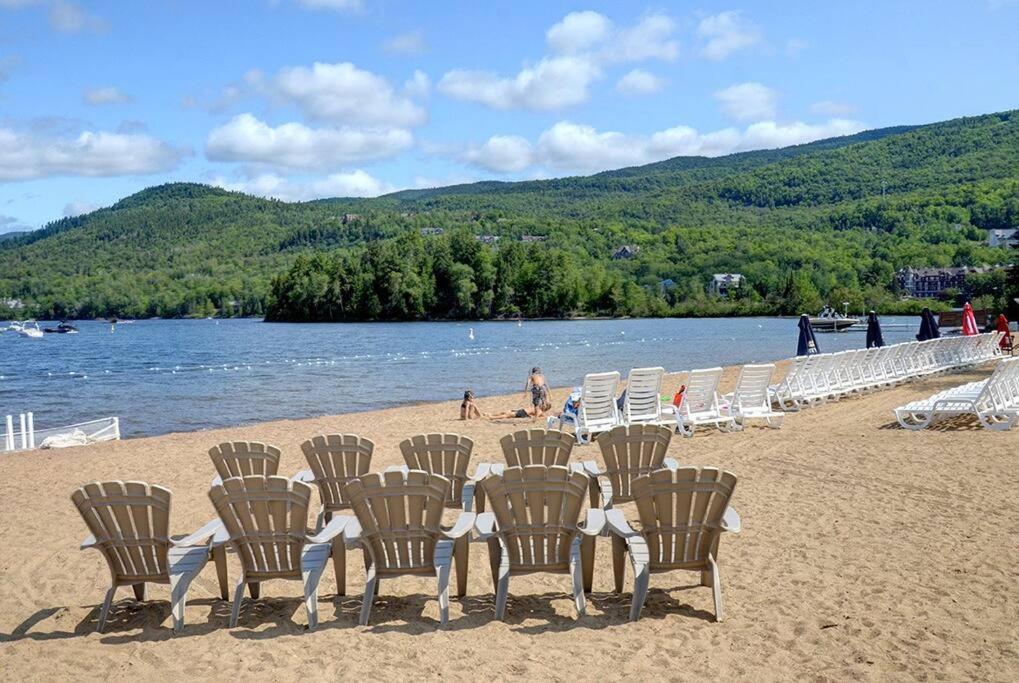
point(874, 337)
point(928, 326)
point(807, 344)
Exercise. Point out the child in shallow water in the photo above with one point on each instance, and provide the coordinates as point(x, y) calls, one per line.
point(538, 390)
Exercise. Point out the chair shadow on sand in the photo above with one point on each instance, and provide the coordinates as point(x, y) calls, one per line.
point(957, 423)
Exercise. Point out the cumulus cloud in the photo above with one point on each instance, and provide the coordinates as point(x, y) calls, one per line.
point(339, 5)
point(79, 208)
point(245, 138)
point(578, 32)
point(552, 83)
point(502, 154)
point(67, 17)
point(356, 183)
point(411, 43)
point(573, 147)
point(748, 101)
point(26, 155)
point(109, 95)
point(419, 85)
point(639, 82)
point(343, 93)
point(651, 38)
point(725, 33)
point(829, 108)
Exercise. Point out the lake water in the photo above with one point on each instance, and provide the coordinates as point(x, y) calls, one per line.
point(164, 376)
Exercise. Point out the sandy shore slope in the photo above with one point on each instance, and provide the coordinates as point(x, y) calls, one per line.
point(867, 552)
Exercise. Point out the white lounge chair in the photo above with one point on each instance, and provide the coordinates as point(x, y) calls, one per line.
point(598, 410)
point(750, 400)
point(129, 524)
point(682, 512)
point(701, 404)
point(643, 403)
point(994, 402)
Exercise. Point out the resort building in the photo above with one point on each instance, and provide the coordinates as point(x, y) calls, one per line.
point(927, 283)
point(722, 283)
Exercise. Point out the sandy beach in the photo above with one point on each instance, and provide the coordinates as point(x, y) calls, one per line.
point(868, 552)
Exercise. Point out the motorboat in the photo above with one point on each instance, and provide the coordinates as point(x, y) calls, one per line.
point(830, 320)
point(62, 328)
point(28, 328)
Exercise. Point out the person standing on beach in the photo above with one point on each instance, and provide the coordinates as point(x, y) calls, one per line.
point(538, 389)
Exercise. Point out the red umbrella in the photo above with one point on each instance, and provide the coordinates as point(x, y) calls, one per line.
point(969, 321)
point(1006, 341)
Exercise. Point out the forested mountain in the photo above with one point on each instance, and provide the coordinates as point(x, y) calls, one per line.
point(827, 221)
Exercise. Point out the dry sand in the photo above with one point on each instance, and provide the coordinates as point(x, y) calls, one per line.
point(867, 552)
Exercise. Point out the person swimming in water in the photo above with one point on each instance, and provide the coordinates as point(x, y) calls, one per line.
point(537, 387)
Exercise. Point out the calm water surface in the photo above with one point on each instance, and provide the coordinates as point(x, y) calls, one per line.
point(164, 376)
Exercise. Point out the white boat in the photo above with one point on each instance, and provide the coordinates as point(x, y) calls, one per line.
point(28, 328)
point(830, 320)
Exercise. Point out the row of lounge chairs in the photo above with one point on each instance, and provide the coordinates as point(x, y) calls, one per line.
point(830, 376)
point(701, 405)
point(994, 401)
point(395, 517)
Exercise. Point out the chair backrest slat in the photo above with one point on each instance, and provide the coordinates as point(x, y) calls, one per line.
point(335, 459)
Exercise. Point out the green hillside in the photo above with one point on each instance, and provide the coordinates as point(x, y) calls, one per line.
point(830, 220)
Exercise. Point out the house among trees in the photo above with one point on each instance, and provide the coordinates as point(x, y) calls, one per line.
point(927, 283)
point(13, 304)
point(1003, 237)
point(627, 251)
point(487, 239)
point(350, 218)
point(431, 231)
point(722, 283)
point(533, 238)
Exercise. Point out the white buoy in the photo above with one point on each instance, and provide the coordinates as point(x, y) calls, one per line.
point(470, 334)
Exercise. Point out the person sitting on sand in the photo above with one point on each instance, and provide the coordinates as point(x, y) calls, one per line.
point(538, 390)
point(469, 408)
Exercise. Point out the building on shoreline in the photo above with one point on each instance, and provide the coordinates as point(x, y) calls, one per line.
point(723, 283)
point(927, 283)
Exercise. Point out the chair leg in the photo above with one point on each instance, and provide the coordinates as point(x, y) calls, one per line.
point(618, 561)
point(235, 612)
point(254, 589)
point(587, 547)
point(502, 584)
point(641, 577)
point(339, 552)
point(179, 584)
point(311, 578)
point(369, 595)
point(461, 550)
point(442, 574)
point(139, 592)
point(716, 587)
point(219, 557)
point(494, 558)
point(577, 572)
point(104, 611)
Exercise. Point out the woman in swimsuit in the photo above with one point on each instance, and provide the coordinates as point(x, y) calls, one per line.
point(538, 390)
point(469, 409)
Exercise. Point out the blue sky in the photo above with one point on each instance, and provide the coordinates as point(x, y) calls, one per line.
point(309, 98)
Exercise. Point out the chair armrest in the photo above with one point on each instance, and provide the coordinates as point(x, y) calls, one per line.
point(304, 476)
point(352, 532)
point(618, 525)
point(467, 495)
point(397, 468)
point(670, 463)
point(731, 521)
point(464, 523)
point(481, 471)
point(484, 525)
point(333, 529)
point(594, 524)
point(89, 542)
point(201, 536)
point(216, 481)
point(590, 467)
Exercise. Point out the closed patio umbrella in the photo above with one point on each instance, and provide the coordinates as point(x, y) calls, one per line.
point(807, 344)
point(928, 326)
point(969, 321)
point(874, 337)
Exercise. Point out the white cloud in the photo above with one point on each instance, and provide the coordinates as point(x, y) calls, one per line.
point(748, 101)
point(829, 108)
point(725, 33)
point(356, 183)
point(339, 5)
point(578, 31)
point(110, 95)
point(343, 93)
point(794, 46)
point(501, 153)
point(411, 43)
point(573, 147)
point(27, 155)
point(67, 17)
point(639, 82)
point(649, 39)
point(79, 208)
point(552, 83)
point(419, 85)
point(247, 139)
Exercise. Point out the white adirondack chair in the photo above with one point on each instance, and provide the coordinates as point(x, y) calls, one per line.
point(750, 400)
point(266, 519)
point(701, 405)
point(643, 404)
point(398, 525)
point(533, 527)
point(682, 512)
point(129, 524)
